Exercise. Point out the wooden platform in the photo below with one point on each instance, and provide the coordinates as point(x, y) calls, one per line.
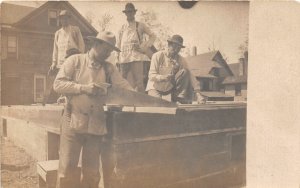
point(184, 146)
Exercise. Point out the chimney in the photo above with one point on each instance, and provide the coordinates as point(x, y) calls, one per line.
point(194, 51)
point(246, 63)
point(241, 66)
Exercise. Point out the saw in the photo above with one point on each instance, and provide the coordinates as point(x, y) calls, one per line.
point(108, 94)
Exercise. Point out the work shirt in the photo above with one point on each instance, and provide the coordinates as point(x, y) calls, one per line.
point(64, 39)
point(129, 41)
point(163, 64)
point(81, 70)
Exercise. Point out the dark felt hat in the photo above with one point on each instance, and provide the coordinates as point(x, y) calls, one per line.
point(129, 7)
point(177, 39)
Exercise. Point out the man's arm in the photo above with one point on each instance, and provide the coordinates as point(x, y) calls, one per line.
point(63, 82)
point(154, 68)
point(80, 42)
point(151, 35)
point(55, 53)
point(118, 43)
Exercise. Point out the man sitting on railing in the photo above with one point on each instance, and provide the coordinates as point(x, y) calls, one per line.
point(169, 74)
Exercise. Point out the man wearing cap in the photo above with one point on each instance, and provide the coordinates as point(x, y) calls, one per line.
point(84, 121)
point(133, 55)
point(65, 38)
point(169, 74)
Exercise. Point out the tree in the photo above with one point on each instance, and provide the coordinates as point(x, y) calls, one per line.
point(162, 32)
point(102, 24)
point(243, 48)
point(89, 16)
point(105, 21)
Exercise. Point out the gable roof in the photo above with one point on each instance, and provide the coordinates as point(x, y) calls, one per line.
point(19, 11)
point(235, 68)
point(236, 78)
point(40, 10)
point(201, 65)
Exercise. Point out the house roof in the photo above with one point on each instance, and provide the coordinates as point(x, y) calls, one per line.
point(23, 14)
point(39, 10)
point(235, 68)
point(201, 65)
point(214, 94)
point(19, 11)
point(235, 79)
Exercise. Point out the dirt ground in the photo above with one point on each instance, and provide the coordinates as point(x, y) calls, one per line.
point(18, 169)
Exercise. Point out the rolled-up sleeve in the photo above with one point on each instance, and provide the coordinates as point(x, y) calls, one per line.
point(63, 82)
point(55, 48)
point(80, 42)
point(154, 68)
point(151, 34)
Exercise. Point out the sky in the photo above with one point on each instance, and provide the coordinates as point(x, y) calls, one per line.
point(219, 25)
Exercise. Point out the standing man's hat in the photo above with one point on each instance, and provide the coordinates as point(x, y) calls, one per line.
point(129, 7)
point(177, 39)
point(107, 37)
point(64, 13)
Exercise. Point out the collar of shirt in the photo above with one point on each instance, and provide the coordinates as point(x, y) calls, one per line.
point(67, 28)
point(130, 23)
point(92, 63)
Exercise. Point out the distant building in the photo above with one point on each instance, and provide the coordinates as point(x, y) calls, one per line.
point(210, 69)
point(236, 85)
point(27, 35)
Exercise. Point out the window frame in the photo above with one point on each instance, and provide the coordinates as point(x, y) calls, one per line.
point(57, 15)
point(9, 55)
point(39, 76)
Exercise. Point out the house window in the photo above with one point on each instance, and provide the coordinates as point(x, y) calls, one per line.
point(39, 88)
point(53, 17)
point(8, 47)
point(12, 46)
point(238, 90)
point(216, 72)
point(205, 86)
point(4, 47)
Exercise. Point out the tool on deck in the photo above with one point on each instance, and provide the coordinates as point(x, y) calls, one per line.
point(111, 95)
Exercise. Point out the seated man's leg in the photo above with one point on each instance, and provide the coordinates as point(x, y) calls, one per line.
point(70, 146)
point(154, 93)
point(183, 87)
point(90, 161)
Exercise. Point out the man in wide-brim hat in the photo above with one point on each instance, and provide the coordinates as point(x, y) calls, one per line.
point(169, 74)
point(134, 49)
point(84, 128)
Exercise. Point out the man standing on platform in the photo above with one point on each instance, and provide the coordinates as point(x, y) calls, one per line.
point(84, 121)
point(67, 37)
point(133, 50)
point(169, 74)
